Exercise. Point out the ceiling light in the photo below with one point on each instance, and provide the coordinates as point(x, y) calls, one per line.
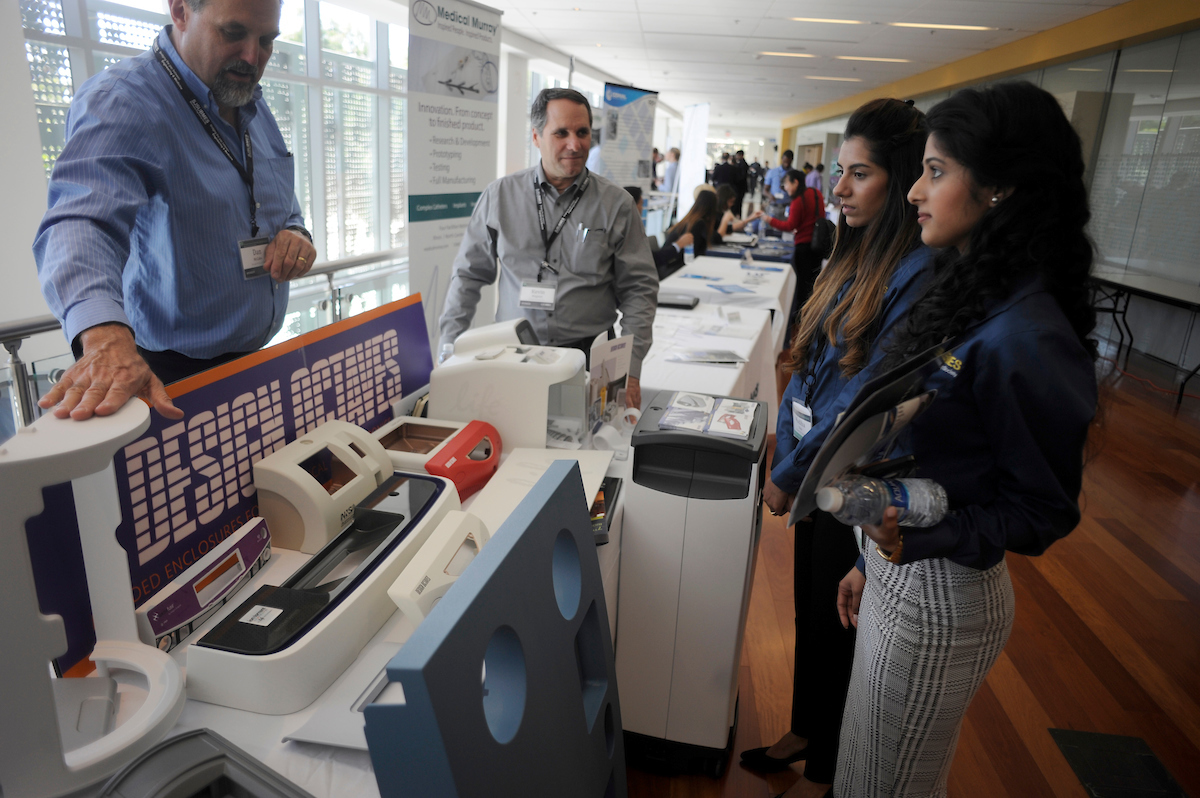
point(869, 58)
point(1148, 70)
point(1083, 69)
point(791, 55)
point(822, 77)
point(939, 27)
point(830, 21)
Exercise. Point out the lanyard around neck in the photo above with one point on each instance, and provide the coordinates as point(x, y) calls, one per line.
point(548, 239)
point(247, 172)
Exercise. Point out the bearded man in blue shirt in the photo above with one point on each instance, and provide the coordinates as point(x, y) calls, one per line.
point(173, 226)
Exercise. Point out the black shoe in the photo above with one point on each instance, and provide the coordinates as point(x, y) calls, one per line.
point(758, 759)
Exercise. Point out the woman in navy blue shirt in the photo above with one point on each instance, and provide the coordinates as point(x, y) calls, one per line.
point(1002, 195)
point(877, 268)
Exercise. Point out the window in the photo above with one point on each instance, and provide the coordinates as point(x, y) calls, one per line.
point(340, 104)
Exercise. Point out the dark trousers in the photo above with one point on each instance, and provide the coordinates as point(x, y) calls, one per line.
point(170, 366)
point(585, 345)
point(807, 265)
point(825, 551)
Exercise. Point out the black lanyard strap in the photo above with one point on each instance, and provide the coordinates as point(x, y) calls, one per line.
point(548, 239)
point(247, 172)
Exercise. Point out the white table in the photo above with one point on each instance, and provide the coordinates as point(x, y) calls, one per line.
point(770, 288)
point(327, 771)
point(747, 332)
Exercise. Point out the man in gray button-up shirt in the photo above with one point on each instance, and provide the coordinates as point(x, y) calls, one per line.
point(599, 262)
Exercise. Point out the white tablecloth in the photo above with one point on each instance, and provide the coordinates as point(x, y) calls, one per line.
point(744, 330)
point(770, 288)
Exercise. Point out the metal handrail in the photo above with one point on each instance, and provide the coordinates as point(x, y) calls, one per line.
point(13, 333)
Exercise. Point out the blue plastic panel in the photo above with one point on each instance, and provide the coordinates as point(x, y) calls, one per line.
point(509, 683)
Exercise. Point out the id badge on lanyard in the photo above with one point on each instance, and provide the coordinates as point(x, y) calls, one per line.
point(538, 295)
point(254, 257)
point(802, 419)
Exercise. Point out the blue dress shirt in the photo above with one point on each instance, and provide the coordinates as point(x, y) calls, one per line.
point(145, 214)
point(774, 182)
point(1005, 435)
point(831, 392)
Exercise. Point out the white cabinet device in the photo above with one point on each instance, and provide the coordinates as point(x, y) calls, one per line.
point(693, 514)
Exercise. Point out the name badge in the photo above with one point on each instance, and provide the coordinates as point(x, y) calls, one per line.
point(254, 257)
point(538, 296)
point(802, 419)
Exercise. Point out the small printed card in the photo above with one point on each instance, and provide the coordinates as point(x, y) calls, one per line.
point(692, 412)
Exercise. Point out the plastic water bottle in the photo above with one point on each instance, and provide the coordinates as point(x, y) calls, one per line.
point(861, 500)
point(689, 254)
point(446, 353)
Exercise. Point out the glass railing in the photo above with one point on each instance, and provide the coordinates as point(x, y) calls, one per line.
point(333, 291)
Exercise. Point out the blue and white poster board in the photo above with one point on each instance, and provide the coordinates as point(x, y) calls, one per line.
point(453, 107)
point(627, 135)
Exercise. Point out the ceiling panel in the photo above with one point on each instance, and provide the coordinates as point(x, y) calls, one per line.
point(707, 51)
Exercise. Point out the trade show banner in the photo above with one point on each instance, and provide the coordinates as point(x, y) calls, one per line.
point(627, 137)
point(692, 153)
point(453, 126)
point(187, 485)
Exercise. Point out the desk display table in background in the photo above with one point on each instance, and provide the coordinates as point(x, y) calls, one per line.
point(765, 289)
point(1116, 289)
point(772, 250)
point(746, 331)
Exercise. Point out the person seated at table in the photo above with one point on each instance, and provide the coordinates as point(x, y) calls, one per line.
point(878, 268)
point(695, 228)
point(726, 199)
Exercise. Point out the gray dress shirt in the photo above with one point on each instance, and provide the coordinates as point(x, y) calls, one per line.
point(602, 257)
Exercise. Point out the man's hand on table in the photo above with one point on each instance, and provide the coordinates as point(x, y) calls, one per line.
point(108, 374)
point(633, 392)
point(289, 256)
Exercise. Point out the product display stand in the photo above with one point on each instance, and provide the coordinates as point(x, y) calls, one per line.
point(39, 713)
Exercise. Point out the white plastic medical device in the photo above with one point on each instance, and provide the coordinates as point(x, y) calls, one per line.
point(411, 442)
point(308, 490)
point(451, 548)
point(501, 333)
point(34, 761)
point(513, 388)
point(315, 650)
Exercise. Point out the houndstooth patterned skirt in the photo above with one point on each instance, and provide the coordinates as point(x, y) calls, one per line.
point(928, 633)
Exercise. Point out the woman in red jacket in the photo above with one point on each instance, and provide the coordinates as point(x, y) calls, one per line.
point(807, 206)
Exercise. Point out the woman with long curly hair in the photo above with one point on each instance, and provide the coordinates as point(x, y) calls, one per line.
point(1002, 195)
point(877, 268)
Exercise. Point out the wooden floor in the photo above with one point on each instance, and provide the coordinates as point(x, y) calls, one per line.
point(1107, 632)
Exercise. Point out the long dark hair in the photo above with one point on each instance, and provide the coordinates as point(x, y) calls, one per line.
point(725, 193)
point(1016, 137)
point(894, 133)
point(700, 218)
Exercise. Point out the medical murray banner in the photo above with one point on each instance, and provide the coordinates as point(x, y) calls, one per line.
point(454, 82)
point(627, 137)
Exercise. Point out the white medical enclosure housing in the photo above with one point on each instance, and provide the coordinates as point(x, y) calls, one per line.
point(693, 514)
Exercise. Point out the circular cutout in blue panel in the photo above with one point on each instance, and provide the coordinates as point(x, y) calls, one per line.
point(504, 684)
point(568, 574)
